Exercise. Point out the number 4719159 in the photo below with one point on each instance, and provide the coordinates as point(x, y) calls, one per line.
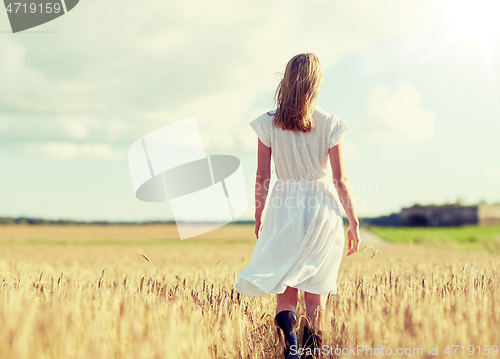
point(33, 8)
point(471, 350)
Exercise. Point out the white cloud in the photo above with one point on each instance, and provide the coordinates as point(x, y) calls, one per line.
point(493, 173)
point(35, 127)
point(396, 116)
point(64, 150)
point(114, 72)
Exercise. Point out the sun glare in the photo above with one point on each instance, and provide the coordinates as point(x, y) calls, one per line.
point(475, 19)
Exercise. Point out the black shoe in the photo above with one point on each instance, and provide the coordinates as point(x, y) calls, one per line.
point(312, 341)
point(286, 320)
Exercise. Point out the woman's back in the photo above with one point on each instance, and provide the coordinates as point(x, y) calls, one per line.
point(301, 237)
point(297, 155)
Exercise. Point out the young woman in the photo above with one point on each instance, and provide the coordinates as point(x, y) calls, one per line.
point(301, 237)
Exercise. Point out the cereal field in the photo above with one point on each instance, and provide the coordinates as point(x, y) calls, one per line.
point(476, 238)
point(137, 292)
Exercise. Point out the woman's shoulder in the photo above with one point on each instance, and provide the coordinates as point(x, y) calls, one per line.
point(323, 117)
point(326, 116)
point(264, 121)
point(265, 118)
point(267, 115)
point(320, 112)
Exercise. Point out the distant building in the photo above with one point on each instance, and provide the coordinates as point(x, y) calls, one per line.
point(391, 220)
point(450, 215)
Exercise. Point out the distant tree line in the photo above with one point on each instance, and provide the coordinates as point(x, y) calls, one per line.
point(42, 221)
point(390, 220)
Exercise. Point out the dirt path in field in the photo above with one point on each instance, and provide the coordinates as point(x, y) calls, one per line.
point(369, 238)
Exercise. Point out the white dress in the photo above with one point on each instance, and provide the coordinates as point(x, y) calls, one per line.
point(302, 237)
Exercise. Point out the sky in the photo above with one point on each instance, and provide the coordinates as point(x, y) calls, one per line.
point(417, 81)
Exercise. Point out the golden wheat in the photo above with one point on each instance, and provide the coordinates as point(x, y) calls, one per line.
point(175, 299)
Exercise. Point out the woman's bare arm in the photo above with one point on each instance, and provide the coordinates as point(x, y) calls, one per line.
point(262, 183)
point(341, 182)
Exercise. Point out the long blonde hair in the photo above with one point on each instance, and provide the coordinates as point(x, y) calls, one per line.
point(297, 93)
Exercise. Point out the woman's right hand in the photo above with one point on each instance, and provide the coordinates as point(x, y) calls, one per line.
point(353, 239)
point(258, 226)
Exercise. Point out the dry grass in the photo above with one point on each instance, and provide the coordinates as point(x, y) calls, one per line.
point(173, 299)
